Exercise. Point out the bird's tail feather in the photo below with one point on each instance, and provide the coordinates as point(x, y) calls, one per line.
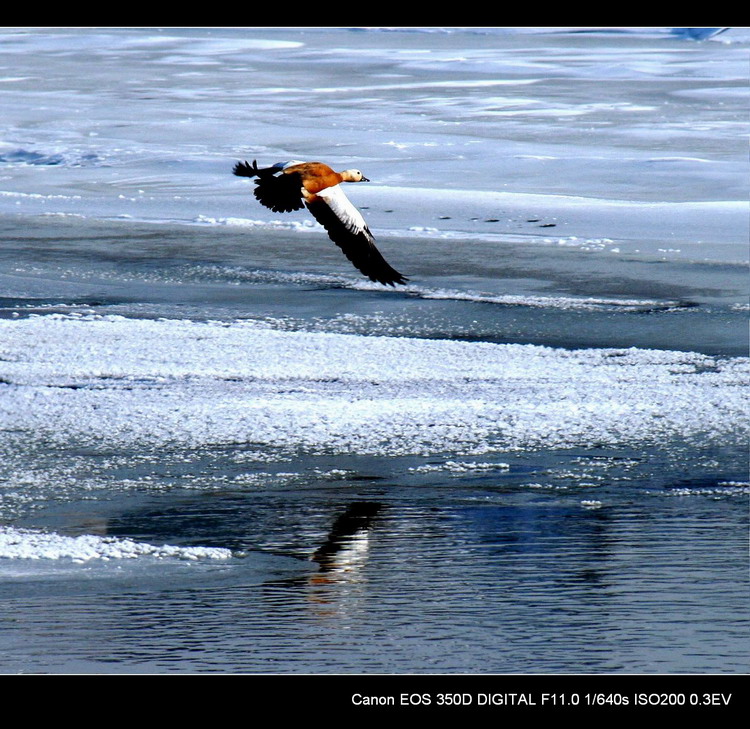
point(243, 169)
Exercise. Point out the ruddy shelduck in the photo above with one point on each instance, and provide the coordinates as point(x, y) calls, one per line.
point(288, 186)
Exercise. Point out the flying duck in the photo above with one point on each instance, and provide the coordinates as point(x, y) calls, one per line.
point(288, 186)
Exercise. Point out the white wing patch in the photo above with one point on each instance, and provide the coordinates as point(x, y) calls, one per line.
point(281, 166)
point(344, 210)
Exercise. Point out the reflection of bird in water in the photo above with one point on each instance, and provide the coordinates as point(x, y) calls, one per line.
point(347, 542)
point(288, 186)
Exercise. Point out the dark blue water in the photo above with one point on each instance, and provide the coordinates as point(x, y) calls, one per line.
point(383, 572)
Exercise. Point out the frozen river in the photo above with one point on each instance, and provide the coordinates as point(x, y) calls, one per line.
point(223, 449)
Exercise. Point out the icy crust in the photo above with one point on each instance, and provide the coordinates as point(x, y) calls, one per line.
point(115, 382)
point(30, 544)
point(711, 228)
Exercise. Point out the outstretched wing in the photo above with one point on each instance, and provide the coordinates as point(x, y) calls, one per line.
point(277, 190)
point(348, 230)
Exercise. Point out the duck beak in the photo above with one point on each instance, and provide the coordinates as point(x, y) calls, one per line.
point(365, 179)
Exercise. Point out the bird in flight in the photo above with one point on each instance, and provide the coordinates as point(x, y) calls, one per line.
point(288, 186)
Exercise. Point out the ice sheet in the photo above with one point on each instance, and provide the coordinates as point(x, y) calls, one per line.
point(104, 381)
point(38, 545)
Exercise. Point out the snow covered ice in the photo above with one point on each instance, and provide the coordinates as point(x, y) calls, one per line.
point(109, 381)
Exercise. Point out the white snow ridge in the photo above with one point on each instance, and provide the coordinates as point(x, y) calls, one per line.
point(31, 544)
point(114, 381)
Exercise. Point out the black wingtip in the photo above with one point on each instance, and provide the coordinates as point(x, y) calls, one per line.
point(243, 169)
point(396, 278)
